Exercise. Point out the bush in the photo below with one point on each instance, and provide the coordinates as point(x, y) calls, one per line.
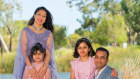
point(63, 59)
point(7, 63)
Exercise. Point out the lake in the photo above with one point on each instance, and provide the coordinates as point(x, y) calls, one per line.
point(61, 75)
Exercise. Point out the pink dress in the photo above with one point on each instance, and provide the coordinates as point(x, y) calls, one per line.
point(84, 70)
point(37, 66)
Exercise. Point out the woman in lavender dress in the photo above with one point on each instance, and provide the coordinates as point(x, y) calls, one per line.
point(39, 30)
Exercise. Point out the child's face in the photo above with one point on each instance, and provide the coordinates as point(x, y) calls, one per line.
point(83, 49)
point(38, 57)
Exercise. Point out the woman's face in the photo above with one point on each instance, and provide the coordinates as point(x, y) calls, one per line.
point(40, 17)
point(83, 49)
point(38, 57)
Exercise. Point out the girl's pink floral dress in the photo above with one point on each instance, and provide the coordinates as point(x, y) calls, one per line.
point(84, 70)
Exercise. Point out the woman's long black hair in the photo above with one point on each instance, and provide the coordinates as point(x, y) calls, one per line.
point(48, 24)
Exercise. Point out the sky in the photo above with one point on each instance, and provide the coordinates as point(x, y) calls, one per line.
point(62, 14)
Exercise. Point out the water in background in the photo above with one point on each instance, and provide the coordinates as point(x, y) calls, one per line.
point(61, 75)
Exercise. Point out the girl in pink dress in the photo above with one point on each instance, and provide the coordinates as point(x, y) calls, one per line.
point(37, 54)
point(84, 67)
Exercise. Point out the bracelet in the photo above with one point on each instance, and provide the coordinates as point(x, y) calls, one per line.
point(29, 68)
point(46, 65)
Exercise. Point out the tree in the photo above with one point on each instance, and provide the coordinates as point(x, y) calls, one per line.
point(73, 38)
point(88, 8)
point(19, 25)
point(111, 30)
point(83, 33)
point(7, 9)
point(129, 9)
point(60, 39)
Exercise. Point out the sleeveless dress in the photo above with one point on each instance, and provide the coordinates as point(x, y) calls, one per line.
point(27, 40)
point(84, 70)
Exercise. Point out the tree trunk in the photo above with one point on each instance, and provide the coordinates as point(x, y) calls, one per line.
point(1, 48)
point(134, 38)
point(10, 46)
point(129, 35)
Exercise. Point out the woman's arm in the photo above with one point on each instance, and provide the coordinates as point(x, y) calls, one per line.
point(48, 75)
point(49, 44)
point(28, 62)
point(26, 73)
point(24, 43)
point(47, 58)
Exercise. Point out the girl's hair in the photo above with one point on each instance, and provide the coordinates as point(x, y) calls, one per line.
point(90, 53)
point(37, 47)
point(48, 24)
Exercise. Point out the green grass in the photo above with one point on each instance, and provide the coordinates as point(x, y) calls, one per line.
point(7, 63)
point(119, 56)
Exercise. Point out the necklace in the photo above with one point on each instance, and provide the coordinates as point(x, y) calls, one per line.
point(38, 29)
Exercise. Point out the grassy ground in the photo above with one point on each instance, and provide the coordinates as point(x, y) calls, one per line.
point(7, 63)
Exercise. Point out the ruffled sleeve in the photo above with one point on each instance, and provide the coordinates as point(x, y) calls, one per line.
point(21, 54)
point(52, 62)
point(49, 42)
point(23, 44)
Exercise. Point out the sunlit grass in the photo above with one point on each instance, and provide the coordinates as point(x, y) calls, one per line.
point(131, 69)
point(126, 60)
point(7, 63)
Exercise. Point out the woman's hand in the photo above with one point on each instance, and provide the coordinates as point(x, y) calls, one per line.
point(114, 73)
point(42, 71)
point(33, 73)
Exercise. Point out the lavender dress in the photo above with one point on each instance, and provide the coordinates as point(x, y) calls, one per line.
point(27, 40)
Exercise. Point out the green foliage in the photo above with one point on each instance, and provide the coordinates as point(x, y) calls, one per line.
point(7, 63)
point(19, 25)
point(79, 31)
point(127, 9)
point(131, 12)
point(138, 39)
point(60, 39)
point(14, 41)
point(73, 38)
point(82, 33)
point(111, 31)
point(63, 59)
point(6, 20)
point(119, 56)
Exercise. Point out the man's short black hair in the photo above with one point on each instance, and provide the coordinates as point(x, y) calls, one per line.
point(103, 49)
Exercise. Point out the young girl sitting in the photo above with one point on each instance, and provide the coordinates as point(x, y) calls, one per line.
point(37, 54)
point(84, 67)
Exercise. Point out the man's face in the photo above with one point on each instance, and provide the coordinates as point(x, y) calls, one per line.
point(101, 59)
